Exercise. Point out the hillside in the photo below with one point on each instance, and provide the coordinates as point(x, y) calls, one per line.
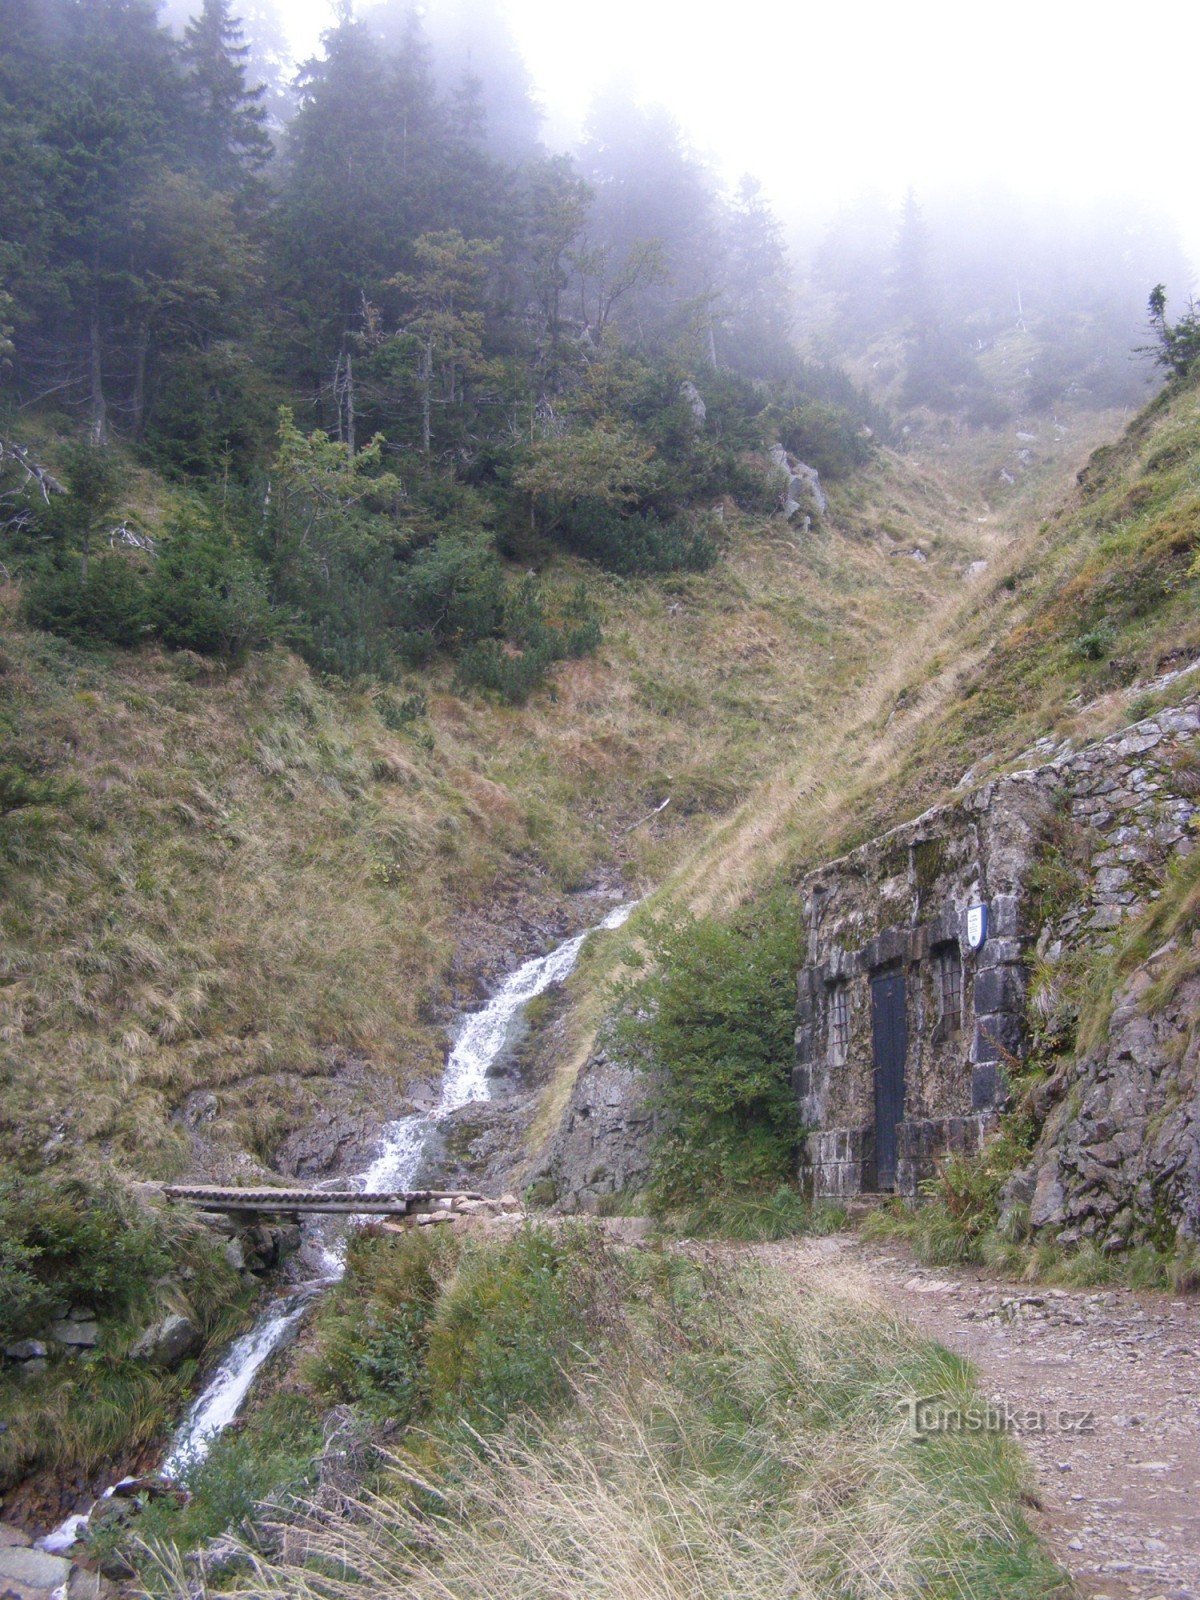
point(258, 885)
point(1086, 612)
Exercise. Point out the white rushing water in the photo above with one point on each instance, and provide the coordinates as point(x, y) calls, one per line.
point(481, 1038)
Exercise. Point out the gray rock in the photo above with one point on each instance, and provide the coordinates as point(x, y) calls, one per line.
point(11, 1537)
point(602, 1147)
point(27, 1350)
point(31, 1572)
point(694, 401)
point(167, 1343)
point(802, 492)
point(1048, 1206)
point(82, 1335)
point(87, 1586)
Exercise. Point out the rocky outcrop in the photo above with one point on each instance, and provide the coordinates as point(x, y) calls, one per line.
point(603, 1144)
point(694, 401)
point(168, 1342)
point(802, 493)
point(1118, 1159)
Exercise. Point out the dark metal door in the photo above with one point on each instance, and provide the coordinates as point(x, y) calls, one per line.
point(889, 1028)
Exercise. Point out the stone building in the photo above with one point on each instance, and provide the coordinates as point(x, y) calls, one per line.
point(912, 1004)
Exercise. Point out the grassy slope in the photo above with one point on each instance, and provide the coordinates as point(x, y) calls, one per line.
point(642, 1424)
point(252, 878)
point(1087, 595)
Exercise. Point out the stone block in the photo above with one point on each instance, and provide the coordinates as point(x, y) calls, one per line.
point(997, 1035)
point(1004, 916)
point(80, 1335)
point(999, 989)
point(989, 1086)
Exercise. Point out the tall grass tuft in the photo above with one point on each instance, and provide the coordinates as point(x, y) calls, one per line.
point(740, 1437)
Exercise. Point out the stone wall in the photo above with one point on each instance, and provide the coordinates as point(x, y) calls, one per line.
point(1116, 812)
point(900, 904)
point(1118, 1156)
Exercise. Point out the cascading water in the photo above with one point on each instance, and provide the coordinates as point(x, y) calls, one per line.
point(480, 1039)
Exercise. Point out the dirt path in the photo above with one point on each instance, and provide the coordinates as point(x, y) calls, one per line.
point(1107, 1385)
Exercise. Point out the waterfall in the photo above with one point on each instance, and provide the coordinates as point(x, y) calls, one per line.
point(479, 1040)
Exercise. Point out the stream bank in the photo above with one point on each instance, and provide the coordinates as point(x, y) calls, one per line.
point(408, 1150)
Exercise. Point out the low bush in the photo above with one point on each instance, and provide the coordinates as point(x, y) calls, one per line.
point(825, 437)
point(428, 1327)
point(714, 1017)
point(517, 664)
point(69, 1242)
point(64, 1243)
point(109, 606)
point(638, 544)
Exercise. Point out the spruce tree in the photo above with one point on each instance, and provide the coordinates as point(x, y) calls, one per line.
point(229, 140)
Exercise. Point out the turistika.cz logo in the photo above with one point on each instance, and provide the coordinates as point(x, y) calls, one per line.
point(925, 1416)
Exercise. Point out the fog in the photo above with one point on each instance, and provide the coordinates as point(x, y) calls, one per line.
point(1064, 102)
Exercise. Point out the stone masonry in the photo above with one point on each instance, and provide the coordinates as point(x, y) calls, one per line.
point(896, 909)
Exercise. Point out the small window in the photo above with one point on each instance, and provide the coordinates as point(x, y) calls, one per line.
point(839, 1024)
point(947, 980)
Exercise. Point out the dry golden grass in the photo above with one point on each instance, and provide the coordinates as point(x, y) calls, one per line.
point(887, 741)
point(255, 875)
point(750, 1443)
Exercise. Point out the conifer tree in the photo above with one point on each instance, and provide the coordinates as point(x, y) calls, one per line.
point(229, 140)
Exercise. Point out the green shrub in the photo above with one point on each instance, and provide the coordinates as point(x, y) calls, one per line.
point(64, 1242)
point(715, 1018)
point(267, 1462)
point(452, 591)
point(637, 545)
point(107, 607)
point(517, 665)
point(825, 437)
point(429, 1327)
point(204, 593)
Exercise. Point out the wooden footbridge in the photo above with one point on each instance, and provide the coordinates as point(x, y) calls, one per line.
point(335, 1202)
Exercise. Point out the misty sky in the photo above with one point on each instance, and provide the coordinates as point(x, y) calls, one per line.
point(824, 100)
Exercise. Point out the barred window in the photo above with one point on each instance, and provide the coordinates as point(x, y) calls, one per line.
point(839, 1023)
point(947, 977)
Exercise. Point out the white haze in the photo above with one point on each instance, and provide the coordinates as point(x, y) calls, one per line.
point(1056, 100)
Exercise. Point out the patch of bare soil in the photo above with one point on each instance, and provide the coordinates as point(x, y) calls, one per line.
point(1101, 1386)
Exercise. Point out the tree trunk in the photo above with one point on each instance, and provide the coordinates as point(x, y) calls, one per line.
point(351, 442)
point(427, 399)
point(99, 406)
point(141, 351)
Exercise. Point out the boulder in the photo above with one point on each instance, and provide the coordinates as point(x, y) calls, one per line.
point(27, 1350)
point(694, 400)
point(1048, 1207)
point(802, 495)
point(167, 1343)
point(81, 1335)
point(31, 1574)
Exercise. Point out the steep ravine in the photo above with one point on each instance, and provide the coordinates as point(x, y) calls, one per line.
point(407, 1154)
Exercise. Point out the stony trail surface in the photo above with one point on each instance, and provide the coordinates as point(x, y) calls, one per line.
point(1104, 1385)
